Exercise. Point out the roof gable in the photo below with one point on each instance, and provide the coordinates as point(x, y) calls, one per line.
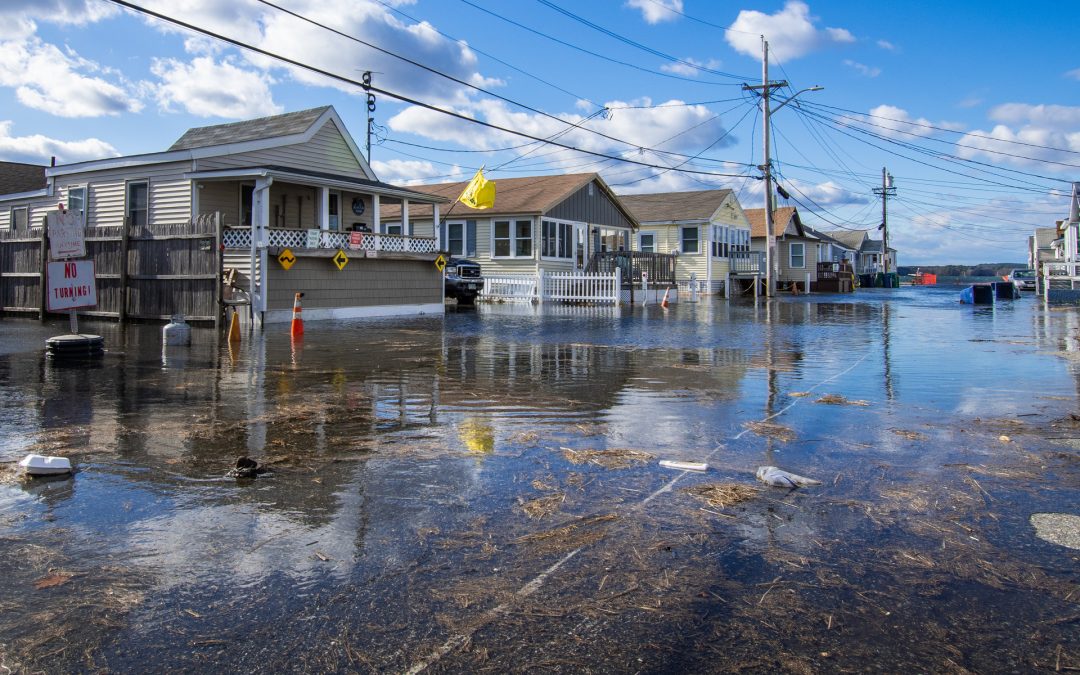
point(670, 207)
point(784, 218)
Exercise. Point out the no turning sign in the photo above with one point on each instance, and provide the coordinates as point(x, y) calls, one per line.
point(71, 285)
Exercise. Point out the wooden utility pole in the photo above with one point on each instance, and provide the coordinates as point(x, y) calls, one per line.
point(886, 190)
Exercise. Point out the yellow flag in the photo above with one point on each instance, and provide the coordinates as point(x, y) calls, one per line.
point(479, 193)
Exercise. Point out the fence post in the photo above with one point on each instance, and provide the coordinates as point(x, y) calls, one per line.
point(122, 314)
point(540, 285)
point(219, 266)
point(43, 284)
point(618, 285)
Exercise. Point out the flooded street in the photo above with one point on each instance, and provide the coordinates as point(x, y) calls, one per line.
point(481, 492)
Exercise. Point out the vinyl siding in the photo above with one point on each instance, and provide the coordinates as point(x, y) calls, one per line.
point(327, 151)
point(170, 201)
point(105, 192)
point(364, 282)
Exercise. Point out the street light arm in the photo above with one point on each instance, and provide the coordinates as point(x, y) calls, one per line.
point(792, 97)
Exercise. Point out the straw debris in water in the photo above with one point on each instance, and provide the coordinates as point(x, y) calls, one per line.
point(723, 495)
point(609, 459)
point(772, 430)
point(837, 399)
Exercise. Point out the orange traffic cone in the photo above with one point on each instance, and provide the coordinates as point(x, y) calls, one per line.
point(234, 326)
point(664, 302)
point(297, 328)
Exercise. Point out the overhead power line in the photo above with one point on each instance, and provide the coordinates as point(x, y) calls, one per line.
point(394, 95)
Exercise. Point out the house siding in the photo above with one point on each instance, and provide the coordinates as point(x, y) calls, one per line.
point(170, 201)
point(597, 209)
point(327, 151)
point(364, 282)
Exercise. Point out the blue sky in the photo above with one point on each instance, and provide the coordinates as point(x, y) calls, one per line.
point(974, 107)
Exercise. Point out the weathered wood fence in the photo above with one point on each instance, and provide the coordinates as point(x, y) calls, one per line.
point(143, 272)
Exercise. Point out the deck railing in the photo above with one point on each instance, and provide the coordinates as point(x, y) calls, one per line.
point(658, 267)
point(240, 238)
point(834, 270)
point(746, 262)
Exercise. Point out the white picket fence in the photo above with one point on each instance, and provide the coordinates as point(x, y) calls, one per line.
point(554, 287)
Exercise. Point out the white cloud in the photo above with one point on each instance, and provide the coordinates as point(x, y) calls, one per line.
point(414, 172)
point(898, 123)
point(37, 149)
point(209, 89)
point(657, 11)
point(886, 45)
point(1055, 128)
point(1074, 74)
point(863, 69)
point(691, 68)
point(277, 32)
point(20, 17)
point(59, 83)
point(791, 32)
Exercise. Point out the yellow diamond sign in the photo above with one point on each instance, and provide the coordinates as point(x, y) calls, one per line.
point(286, 258)
point(341, 260)
point(440, 263)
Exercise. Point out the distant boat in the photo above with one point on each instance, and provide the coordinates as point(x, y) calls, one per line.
point(40, 465)
point(924, 279)
point(987, 294)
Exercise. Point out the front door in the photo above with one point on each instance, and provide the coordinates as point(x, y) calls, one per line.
point(581, 246)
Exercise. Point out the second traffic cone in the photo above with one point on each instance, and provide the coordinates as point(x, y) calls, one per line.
point(234, 327)
point(297, 328)
point(664, 302)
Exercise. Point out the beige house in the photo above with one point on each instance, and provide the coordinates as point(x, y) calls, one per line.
point(549, 223)
point(295, 181)
point(706, 228)
point(797, 250)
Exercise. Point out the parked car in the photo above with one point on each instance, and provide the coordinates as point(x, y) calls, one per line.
point(463, 281)
point(1023, 279)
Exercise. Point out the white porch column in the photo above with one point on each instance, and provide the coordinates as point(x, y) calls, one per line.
point(405, 229)
point(260, 239)
point(376, 220)
point(324, 208)
point(435, 224)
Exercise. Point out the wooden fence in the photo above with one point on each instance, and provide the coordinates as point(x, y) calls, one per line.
point(142, 272)
point(658, 267)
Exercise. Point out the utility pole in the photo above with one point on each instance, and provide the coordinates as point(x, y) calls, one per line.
point(766, 88)
point(366, 84)
point(886, 190)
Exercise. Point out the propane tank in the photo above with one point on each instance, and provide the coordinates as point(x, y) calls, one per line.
point(177, 332)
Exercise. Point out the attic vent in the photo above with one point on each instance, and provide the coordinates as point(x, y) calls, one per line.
point(590, 189)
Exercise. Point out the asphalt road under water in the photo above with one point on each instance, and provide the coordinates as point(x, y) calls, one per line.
point(481, 491)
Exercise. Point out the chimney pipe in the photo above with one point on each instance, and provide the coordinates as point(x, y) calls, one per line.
point(54, 160)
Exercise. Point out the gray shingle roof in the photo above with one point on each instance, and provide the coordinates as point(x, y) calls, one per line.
point(851, 239)
point(669, 207)
point(16, 177)
point(251, 130)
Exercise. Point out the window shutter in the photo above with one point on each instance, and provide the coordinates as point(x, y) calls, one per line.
point(470, 237)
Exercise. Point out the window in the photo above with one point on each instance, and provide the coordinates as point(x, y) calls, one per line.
point(523, 238)
point(136, 204)
point(76, 200)
point(689, 239)
point(247, 197)
point(556, 240)
point(392, 228)
point(18, 218)
point(335, 218)
point(460, 237)
point(612, 239)
point(502, 239)
point(647, 242)
point(798, 255)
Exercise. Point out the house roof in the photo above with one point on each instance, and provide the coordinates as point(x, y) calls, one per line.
point(532, 195)
point(825, 237)
point(852, 239)
point(782, 217)
point(670, 207)
point(16, 177)
point(249, 130)
point(302, 175)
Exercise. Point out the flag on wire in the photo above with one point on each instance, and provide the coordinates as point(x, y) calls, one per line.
point(479, 193)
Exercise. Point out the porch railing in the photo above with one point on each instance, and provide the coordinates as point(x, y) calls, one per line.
point(240, 238)
point(834, 270)
point(746, 262)
point(659, 267)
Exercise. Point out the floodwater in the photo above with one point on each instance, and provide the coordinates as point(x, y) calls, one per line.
point(481, 492)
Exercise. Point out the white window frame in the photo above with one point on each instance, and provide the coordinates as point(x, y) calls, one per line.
point(561, 226)
point(791, 255)
point(512, 237)
point(464, 238)
point(77, 188)
point(395, 224)
point(127, 198)
point(682, 240)
point(11, 216)
point(655, 241)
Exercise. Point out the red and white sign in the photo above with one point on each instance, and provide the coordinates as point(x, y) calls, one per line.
point(356, 240)
point(66, 236)
point(71, 285)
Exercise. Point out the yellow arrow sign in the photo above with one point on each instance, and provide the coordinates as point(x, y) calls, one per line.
point(440, 263)
point(341, 260)
point(286, 258)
